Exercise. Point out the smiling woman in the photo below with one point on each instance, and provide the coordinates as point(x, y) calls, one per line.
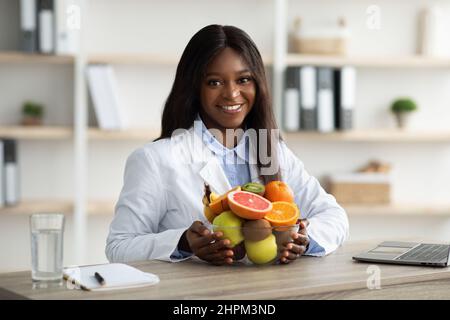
point(220, 86)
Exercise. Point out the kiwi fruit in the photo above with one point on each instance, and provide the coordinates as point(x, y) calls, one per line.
point(254, 188)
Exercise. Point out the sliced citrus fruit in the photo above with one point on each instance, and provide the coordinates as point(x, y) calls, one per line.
point(283, 213)
point(254, 187)
point(248, 205)
point(209, 214)
point(220, 204)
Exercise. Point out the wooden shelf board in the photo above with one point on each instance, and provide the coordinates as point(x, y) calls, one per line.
point(413, 61)
point(37, 206)
point(106, 207)
point(61, 133)
point(35, 132)
point(22, 57)
point(29, 207)
point(398, 210)
point(133, 58)
point(128, 134)
point(141, 59)
point(372, 135)
point(102, 207)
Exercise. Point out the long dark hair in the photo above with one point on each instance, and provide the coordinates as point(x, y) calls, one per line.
point(183, 102)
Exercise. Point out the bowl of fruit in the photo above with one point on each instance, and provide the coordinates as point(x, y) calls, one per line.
point(258, 220)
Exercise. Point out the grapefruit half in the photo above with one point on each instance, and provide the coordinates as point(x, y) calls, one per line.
point(248, 205)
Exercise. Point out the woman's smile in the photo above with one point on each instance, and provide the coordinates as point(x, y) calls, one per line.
point(231, 108)
point(227, 92)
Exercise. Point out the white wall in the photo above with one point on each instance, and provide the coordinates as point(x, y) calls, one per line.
point(421, 170)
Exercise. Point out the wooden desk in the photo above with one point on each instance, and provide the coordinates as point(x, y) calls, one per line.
point(335, 276)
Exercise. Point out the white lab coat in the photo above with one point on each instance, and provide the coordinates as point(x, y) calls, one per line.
point(162, 196)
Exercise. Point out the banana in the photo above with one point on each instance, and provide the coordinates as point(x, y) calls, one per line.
point(205, 201)
point(213, 197)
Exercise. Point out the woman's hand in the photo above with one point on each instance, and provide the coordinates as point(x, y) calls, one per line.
point(207, 245)
point(295, 249)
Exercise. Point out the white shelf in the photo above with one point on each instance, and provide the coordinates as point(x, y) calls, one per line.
point(413, 61)
point(373, 135)
point(21, 57)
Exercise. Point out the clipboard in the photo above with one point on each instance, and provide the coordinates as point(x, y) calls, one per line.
point(116, 276)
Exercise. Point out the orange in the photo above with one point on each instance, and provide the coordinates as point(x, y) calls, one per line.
point(283, 214)
point(278, 191)
point(220, 204)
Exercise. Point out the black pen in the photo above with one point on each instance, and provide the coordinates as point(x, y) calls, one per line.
point(99, 278)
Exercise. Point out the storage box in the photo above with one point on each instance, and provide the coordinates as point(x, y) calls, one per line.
point(360, 188)
point(330, 46)
point(328, 38)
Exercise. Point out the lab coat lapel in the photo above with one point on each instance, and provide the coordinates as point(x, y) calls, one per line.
point(212, 173)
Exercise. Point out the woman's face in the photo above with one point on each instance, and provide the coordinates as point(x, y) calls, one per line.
point(227, 91)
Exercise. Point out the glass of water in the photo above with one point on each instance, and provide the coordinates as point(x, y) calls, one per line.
point(47, 231)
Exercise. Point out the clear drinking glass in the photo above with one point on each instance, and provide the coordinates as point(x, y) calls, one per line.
point(47, 232)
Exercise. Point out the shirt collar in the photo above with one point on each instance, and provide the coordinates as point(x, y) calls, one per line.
point(216, 147)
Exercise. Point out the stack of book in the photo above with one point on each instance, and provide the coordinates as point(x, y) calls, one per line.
point(50, 26)
point(9, 174)
point(103, 90)
point(319, 98)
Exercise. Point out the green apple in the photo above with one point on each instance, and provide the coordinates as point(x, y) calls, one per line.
point(262, 251)
point(230, 225)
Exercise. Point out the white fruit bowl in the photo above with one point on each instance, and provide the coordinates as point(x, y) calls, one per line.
point(256, 246)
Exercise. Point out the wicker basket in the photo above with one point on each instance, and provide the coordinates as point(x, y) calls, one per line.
point(331, 46)
point(372, 191)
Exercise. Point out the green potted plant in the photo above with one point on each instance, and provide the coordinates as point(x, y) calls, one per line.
point(402, 109)
point(32, 113)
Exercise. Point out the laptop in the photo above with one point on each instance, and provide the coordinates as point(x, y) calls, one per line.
point(411, 253)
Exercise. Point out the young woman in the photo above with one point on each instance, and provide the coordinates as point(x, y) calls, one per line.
point(220, 86)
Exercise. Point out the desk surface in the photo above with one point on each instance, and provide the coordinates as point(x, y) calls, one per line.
point(333, 276)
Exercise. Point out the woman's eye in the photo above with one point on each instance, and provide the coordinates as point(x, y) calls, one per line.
point(245, 79)
point(213, 83)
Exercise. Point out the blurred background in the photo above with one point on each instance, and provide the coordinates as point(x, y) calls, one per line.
point(360, 89)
